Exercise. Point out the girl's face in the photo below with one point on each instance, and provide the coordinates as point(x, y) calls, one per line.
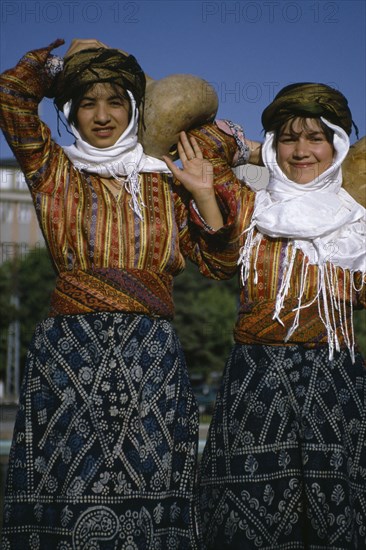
point(303, 151)
point(103, 115)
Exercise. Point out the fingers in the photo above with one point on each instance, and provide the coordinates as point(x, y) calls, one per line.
point(196, 148)
point(172, 167)
point(184, 155)
point(78, 44)
point(188, 148)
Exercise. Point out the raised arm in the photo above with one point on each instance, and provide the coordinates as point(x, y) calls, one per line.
point(215, 250)
point(79, 44)
point(21, 90)
point(197, 177)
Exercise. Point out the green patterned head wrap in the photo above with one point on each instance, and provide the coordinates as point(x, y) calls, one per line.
point(308, 100)
point(88, 67)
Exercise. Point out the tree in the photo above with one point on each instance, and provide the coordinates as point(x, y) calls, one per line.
point(204, 319)
point(360, 329)
point(31, 279)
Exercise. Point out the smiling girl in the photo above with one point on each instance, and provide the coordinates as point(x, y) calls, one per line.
point(284, 466)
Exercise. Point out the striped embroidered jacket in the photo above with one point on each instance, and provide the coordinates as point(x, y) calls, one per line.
point(106, 258)
point(255, 322)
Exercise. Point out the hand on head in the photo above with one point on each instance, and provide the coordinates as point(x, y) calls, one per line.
point(78, 44)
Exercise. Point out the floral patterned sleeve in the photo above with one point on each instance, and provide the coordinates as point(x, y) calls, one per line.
point(215, 252)
point(21, 90)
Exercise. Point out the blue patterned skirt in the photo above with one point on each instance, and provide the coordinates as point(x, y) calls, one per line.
point(285, 462)
point(105, 441)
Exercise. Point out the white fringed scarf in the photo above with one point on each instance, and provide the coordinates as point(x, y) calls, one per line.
point(125, 158)
point(323, 221)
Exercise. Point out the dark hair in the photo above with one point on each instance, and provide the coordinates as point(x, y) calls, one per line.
point(308, 100)
point(90, 66)
point(80, 93)
point(278, 128)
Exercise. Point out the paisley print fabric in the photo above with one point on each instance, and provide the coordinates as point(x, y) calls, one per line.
point(125, 290)
point(285, 462)
point(105, 442)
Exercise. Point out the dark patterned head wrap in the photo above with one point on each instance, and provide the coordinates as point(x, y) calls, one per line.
point(90, 66)
point(308, 99)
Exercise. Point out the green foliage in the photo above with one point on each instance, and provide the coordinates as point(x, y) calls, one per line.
point(204, 320)
point(360, 329)
point(31, 279)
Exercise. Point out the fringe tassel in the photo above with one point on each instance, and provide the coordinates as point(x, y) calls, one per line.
point(331, 308)
point(131, 182)
point(285, 282)
point(352, 350)
point(132, 185)
point(245, 254)
point(295, 324)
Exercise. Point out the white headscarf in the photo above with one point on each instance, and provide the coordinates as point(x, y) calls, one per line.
point(320, 218)
point(125, 158)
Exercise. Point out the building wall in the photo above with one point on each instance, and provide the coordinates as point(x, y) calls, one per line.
point(19, 230)
point(255, 176)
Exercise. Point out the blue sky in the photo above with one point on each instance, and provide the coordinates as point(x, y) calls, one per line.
point(248, 50)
